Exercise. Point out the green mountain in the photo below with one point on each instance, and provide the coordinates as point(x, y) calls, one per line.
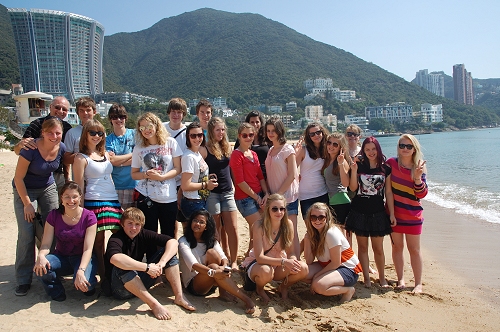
point(9, 70)
point(253, 60)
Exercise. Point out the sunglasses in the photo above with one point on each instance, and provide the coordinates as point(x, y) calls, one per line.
point(407, 146)
point(98, 133)
point(276, 209)
point(315, 133)
point(146, 127)
point(59, 107)
point(245, 136)
point(335, 144)
point(193, 136)
point(351, 134)
point(319, 218)
point(116, 117)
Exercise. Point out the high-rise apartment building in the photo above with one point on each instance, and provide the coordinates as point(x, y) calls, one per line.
point(462, 85)
point(432, 82)
point(59, 53)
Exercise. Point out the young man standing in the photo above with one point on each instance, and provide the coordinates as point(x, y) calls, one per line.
point(204, 114)
point(58, 108)
point(129, 276)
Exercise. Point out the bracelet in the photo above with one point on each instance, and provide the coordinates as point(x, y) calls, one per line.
point(81, 268)
point(211, 273)
point(147, 268)
point(283, 264)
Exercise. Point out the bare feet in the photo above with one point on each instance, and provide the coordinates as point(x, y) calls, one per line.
point(417, 289)
point(234, 267)
point(184, 303)
point(227, 297)
point(249, 307)
point(284, 291)
point(346, 297)
point(263, 296)
point(368, 283)
point(160, 312)
point(383, 283)
point(401, 285)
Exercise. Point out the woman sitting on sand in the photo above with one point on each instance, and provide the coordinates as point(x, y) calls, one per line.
point(74, 229)
point(272, 257)
point(203, 262)
point(408, 182)
point(336, 270)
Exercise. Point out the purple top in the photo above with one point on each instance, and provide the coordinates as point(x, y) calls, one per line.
point(70, 238)
point(39, 173)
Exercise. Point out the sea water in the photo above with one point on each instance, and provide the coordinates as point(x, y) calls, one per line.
point(463, 170)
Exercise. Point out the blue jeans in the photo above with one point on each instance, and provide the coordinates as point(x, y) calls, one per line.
point(247, 206)
point(188, 206)
point(61, 265)
point(44, 200)
point(120, 277)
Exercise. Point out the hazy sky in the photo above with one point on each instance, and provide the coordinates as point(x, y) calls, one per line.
point(398, 35)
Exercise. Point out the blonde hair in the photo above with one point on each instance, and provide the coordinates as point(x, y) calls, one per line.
point(417, 152)
point(134, 214)
point(344, 146)
point(218, 149)
point(286, 236)
point(97, 126)
point(161, 133)
point(318, 238)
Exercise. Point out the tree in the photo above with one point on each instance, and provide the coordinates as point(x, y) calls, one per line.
point(380, 124)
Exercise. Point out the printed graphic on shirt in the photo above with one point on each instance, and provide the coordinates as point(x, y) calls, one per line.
point(371, 185)
point(203, 177)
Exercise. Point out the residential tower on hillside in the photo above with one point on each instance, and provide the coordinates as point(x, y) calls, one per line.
point(432, 82)
point(59, 53)
point(462, 85)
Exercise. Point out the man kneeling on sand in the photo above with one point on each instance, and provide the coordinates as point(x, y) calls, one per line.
point(127, 273)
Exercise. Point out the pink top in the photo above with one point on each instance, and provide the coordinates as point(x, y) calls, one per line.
point(245, 170)
point(277, 172)
point(275, 252)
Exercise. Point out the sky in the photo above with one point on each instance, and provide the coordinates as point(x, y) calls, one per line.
point(399, 36)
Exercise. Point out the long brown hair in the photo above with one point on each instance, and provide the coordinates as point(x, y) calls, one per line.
point(218, 149)
point(316, 237)
point(343, 146)
point(314, 152)
point(286, 236)
point(96, 126)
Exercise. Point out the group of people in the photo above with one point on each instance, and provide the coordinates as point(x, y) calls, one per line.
point(170, 174)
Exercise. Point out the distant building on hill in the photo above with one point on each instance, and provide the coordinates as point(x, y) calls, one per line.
point(360, 121)
point(462, 85)
point(275, 109)
point(122, 98)
point(59, 53)
point(431, 113)
point(397, 112)
point(291, 106)
point(432, 82)
point(323, 87)
point(314, 112)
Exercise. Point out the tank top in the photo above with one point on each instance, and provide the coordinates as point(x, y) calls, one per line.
point(99, 185)
point(312, 183)
point(221, 169)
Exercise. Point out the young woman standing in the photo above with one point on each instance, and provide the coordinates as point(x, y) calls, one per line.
point(409, 186)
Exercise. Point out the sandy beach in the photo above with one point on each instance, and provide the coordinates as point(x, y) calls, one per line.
point(461, 290)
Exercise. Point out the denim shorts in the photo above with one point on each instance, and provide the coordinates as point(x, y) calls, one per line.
point(188, 206)
point(349, 276)
point(293, 207)
point(224, 202)
point(247, 206)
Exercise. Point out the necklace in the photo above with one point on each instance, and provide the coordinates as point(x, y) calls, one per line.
point(73, 219)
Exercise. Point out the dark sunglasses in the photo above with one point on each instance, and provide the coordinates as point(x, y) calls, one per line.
point(276, 209)
point(320, 218)
point(98, 133)
point(116, 117)
point(193, 136)
point(319, 132)
point(335, 144)
point(59, 107)
point(245, 136)
point(351, 134)
point(407, 146)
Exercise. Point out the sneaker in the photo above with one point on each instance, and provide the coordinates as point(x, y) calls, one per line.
point(60, 298)
point(22, 290)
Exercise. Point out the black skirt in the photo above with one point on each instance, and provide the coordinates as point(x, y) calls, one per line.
point(368, 225)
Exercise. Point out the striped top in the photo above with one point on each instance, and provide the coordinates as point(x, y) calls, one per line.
point(334, 237)
point(407, 195)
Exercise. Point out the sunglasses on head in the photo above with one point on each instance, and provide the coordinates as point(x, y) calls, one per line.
point(407, 146)
point(193, 136)
point(315, 133)
point(59, 107)
point(146, 127)
point(98, 133)
point(276, 209)
point(245, 136)
point(116, 117)
point(319, 218)
point(335, 144)
point(351, 134)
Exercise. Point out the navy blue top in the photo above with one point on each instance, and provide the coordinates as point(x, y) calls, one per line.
point(221, 169)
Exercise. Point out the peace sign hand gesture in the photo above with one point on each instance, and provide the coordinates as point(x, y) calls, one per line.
point(419, 170)
point(340, 157)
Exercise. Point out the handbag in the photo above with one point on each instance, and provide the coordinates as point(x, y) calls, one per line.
point(249, 285)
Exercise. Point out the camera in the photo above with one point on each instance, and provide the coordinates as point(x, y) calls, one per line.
point(147, 201)
point(227, 269)
point(212, 176)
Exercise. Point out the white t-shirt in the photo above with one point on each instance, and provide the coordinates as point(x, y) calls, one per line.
point(188, 257)
point(334, 237)
point(160, 158)
point(181, 140)
point(72, 139)
point(194, 164)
